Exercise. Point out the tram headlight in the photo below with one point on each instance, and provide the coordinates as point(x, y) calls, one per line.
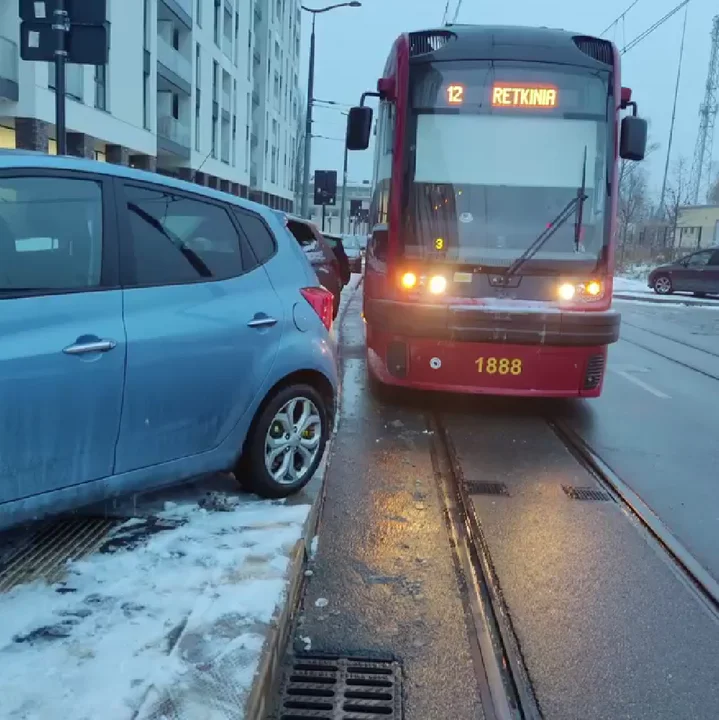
point(589, 291)
point(409, 280)
point(437, 284)
point(567, 291)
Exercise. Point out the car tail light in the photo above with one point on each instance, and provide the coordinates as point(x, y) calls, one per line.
point(322, 303)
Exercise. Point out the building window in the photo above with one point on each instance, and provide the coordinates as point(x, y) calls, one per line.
point(146, 100)
point(198, 67)
point(101, 87)
point(197, 119)
point(218, 17)
point(214, 138)
point(176, 106)
point(198, 12)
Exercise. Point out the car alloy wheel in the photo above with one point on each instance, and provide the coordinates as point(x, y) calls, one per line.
point(293, 441)
point(662, 285)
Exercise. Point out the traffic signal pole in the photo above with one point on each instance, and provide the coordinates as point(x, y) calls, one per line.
point(344, 192)
point(61, 26)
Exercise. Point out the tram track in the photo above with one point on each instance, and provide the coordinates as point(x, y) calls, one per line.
point(502, 672)
point(706, 587)
point(686, 365)
point(500, 667)
point(671, 339)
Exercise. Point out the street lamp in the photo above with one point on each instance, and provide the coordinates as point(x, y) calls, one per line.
point(310, 92)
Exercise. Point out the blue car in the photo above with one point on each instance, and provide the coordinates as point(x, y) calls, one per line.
point(151, 331)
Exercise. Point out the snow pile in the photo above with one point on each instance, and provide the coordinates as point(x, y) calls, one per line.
point(631, 285)
point(172, 628)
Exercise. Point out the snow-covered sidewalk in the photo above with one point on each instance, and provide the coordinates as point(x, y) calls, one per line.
point(173, 628)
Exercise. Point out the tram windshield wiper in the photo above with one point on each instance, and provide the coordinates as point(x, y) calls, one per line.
point(576, 204)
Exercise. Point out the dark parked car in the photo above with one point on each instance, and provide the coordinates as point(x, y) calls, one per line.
point(318, 252)
point(697, 273)
point(338, 247)
point(350, 247)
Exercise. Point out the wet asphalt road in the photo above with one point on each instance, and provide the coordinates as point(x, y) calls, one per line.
point(656, 423)
point(384, 563)
point(607, 627)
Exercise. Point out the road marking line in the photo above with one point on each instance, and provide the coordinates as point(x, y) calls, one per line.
point(641, 384)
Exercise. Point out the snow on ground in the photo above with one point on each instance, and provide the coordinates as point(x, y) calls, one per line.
point(171, 628)
point(635, 287)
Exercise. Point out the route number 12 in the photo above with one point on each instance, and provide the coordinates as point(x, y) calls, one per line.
point(455, 94)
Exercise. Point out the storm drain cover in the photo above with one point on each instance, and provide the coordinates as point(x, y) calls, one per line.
point(45, 554)
point(333, 688)
point(585, 493)
point(474, 487)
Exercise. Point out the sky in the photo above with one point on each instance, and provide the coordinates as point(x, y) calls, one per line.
point(352, 45)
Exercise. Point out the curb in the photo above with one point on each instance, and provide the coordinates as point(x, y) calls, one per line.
point(658, 301)
point(268, 676)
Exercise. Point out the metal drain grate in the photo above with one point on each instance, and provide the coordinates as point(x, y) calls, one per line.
point(332, 688)
point(586, 493)
point(475, 487)
point(46, 553)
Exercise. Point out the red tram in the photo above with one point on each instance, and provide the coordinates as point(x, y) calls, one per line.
point(490, 262)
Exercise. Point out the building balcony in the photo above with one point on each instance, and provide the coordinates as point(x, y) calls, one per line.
point(9, 57)
point(255, 97)
point(258, 11)
point(186, 5)
point(173, 60)
point(257, 57)
point(172, 129)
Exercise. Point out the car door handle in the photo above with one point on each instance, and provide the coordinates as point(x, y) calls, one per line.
point(90, 347)
point(262, 322)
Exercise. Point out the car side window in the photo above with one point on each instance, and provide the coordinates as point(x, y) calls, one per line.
point(258, 235)
point(177, 239)
point(699, 259)
point(303, 234)
point(714, 259)
point(51, 233)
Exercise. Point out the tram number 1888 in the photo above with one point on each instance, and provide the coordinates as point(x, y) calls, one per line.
point(499, 366)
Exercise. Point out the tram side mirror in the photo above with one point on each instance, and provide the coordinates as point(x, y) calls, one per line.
point(633, 141)
point(359, 128)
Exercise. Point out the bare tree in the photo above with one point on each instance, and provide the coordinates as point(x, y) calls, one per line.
point(678, 190)
point(634, 203)
point(713, 196)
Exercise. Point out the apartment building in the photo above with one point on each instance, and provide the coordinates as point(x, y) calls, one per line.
point(180, 94)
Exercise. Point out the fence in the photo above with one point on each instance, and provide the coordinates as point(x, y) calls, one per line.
point(654, 243)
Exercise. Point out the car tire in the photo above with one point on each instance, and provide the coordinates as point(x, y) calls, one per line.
point(662, 285)
point(272, 432)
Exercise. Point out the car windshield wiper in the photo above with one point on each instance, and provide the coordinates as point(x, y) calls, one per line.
point(575, 204)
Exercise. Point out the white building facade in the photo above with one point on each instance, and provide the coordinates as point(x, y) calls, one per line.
point(185, 93)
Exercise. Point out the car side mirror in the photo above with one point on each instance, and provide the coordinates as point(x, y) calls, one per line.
point(633, 140)
point(359, 128)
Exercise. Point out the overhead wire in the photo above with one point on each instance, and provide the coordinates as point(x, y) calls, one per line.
point(619, 18)
point(456, 12)
point(633, 43)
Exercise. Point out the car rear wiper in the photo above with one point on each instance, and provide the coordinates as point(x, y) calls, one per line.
point(576, 203)
point(190, 255)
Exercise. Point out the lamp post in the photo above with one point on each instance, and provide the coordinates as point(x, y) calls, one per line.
point(310, 92)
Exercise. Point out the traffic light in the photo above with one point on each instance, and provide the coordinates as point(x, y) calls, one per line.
point(355, 208)
point(325, 187)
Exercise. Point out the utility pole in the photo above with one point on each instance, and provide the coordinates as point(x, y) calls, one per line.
point(310, 99)
point(308, 123)
point(701, 168)
point(61, 25)
point(674, 112)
